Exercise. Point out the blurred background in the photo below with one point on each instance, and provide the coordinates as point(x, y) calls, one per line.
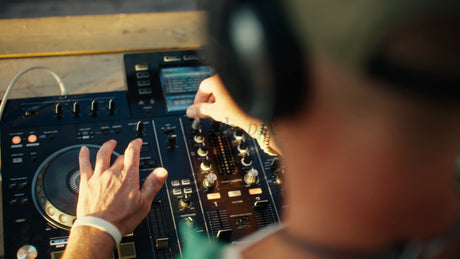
point(44, 8)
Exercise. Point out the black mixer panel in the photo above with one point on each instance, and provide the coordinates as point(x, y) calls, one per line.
point(220, 184)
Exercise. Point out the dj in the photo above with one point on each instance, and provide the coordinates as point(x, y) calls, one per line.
point(362, 98)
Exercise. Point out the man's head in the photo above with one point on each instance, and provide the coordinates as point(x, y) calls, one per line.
point(264, 49)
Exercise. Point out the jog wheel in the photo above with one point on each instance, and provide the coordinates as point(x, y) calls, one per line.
point(56, 184)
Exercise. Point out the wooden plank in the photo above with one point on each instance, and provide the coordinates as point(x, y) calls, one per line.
point(80, 74)
point(76, 35)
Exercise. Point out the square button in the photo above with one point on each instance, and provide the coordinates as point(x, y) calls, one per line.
point(177, 191)
point(235, 193)
point(175, 183)
point(185, 181)
point(188, 190)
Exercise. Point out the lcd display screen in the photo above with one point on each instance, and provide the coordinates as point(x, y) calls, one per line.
point(180, 84)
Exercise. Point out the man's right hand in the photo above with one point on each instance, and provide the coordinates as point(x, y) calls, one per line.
point(214, 101)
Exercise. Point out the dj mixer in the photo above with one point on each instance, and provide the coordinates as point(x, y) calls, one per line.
point(220, 183)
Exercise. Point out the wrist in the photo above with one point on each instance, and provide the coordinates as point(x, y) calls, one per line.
point(103, 225)
point(263, 139)
point(99, 245)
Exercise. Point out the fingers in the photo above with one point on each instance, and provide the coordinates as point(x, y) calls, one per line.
point(118, 164)
point(153, 183)
point(205, 90)
point(103, 156)
point(131, 158)
point(86, 171)
point(200, 110)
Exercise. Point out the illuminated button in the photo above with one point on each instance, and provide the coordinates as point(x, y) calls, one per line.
point(141, 67)
point(236, 193)
point(213, 196)
point(16, 140)
point(175, 183)
point(185, 181)
point(177, 191)
point(255, 191)
point(188, 190)
point(32, 138)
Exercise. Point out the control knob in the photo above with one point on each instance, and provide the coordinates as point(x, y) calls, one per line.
point(279, 179)
point(251, 177)
point(246, 161)
point(275, 166)
point(172, 141)
point(189, 221)
point(202, 150)
point(58, 110)
point(238, 134)
point(93, 108)
point(243, 147)
point(139, 129)
point(199, 138)
point(111, 107)
point(210, 181)
point(27, 252)
point(196, 124)
point(205, 165)
point(184, 203)
point(76, 109)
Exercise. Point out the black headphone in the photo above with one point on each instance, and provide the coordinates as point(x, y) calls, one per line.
point(264, 66)
point(258, 56)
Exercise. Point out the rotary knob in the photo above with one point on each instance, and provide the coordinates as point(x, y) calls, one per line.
point(202, 150)
point(246, 161)
point(27, 252)
point(205, 165)
point(251, 177)
point(199, 138)
point(238, 134)
point(210, 181)
point(243, 147)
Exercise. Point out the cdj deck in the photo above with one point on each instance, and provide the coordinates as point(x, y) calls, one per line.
point(219, 183)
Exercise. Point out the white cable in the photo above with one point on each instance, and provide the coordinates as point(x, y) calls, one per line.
point(8, 90)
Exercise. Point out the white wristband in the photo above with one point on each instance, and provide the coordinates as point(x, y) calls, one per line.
point(101, 224)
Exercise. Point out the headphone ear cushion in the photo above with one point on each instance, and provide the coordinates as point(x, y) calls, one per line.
point(223, 57)
point(257, 56)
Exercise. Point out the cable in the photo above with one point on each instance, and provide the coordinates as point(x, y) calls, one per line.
point(8, 90)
